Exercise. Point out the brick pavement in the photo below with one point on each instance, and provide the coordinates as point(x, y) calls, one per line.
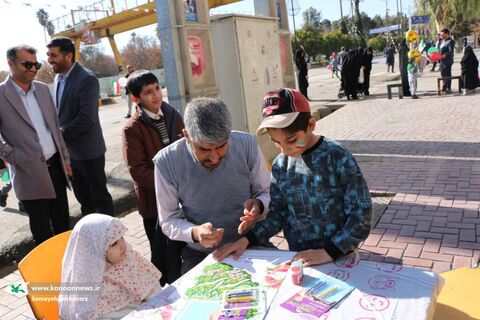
point(427, 153)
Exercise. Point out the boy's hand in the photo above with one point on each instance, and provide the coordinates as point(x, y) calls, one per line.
point(236, 248)
point(206, 235)
point(251, 213)
point(313, 257)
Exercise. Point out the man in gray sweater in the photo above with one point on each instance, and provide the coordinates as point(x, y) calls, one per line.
point(212, 185)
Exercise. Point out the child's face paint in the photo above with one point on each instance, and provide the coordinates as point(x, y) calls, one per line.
point(300, 145)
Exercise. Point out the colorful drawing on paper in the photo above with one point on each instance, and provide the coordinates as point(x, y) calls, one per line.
point(275, 275)
point(216, 279)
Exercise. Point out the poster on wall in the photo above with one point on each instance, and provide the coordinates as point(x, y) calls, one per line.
point(190, 10)
point(197, 59)
point(279, 15)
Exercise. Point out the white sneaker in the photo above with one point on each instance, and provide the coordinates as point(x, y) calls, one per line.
point(465, 92)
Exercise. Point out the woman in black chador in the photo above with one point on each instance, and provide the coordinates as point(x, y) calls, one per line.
point(403, 62)
point(350, 72)
point(302, 67)
point(469, 65)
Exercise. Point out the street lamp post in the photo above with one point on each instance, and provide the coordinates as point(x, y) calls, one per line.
point(295, 8)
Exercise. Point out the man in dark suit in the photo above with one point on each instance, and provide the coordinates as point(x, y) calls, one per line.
point(31, 142)
point(76, 94)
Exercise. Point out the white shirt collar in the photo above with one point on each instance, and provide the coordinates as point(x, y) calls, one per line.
point(155, 116)
point(20, 90)
point(60, 77)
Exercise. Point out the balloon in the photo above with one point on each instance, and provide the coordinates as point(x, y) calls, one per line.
point(432, 49)
point(423, 62)
point(435, 56)
point(122, 82)
point(411, 36)
point(414, 53)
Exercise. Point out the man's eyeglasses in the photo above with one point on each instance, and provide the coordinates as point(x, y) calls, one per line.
point(29, 64)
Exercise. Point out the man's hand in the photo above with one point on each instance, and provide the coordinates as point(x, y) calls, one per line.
point(236, 248)
point(251, 214)
point(68, 170)
point(313, 257)
point(206, 235)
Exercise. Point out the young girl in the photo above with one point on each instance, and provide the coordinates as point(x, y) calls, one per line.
point(412, 69)
point(98, 258)
point(333, 65)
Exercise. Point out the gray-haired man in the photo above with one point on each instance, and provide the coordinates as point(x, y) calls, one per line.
point(208, 181)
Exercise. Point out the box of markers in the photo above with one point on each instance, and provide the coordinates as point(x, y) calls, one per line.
point(243, 303)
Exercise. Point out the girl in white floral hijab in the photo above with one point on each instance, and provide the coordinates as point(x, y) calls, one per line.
point(98, 256)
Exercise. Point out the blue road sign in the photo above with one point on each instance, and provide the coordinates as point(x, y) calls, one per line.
point(420, 19)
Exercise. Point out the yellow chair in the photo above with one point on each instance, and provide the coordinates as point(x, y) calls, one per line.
point(44, 265)
point(458, 299)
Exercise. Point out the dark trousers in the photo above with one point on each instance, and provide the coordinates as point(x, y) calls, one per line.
point(45, 214)
point(190, 258)
point(303, 84)
point(150, 225)
point(166, 256)
point(90, 186)
point(446, 71)
point(366, 82)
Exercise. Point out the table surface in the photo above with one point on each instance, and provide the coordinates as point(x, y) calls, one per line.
point(382, 291)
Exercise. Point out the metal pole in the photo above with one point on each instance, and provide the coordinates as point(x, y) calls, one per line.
point(401, 16)
point(398, 20)
point(294, 30)
point(170, 46)
point(341, 11)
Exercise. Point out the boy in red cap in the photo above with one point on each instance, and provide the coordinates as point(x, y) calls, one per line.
point(319, 197)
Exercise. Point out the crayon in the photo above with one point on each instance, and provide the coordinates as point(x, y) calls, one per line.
point(240, 299)
point(239, 294)
point(325, 293)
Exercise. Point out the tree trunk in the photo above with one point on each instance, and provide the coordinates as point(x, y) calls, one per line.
point(359, 23)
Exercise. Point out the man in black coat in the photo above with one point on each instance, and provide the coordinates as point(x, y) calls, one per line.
point(76, 97)
point(367, 68)
point(447, 49)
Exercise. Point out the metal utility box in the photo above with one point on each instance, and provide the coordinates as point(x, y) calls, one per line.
point(248, 64)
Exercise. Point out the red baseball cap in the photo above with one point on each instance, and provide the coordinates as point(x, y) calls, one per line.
point(281, 107)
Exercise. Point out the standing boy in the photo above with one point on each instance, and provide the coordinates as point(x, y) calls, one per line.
point(319, 197)
point(154, 126)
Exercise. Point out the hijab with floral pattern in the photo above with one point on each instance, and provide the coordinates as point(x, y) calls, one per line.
point(113, 286)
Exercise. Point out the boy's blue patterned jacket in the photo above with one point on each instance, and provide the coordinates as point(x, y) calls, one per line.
point(319, 200)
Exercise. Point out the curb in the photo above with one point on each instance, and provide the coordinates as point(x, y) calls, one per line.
point(22, 244)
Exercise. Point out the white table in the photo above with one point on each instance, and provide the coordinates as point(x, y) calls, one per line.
point(383, 291)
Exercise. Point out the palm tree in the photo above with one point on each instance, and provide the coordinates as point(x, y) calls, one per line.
point(359, 23)
point(42, 17)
